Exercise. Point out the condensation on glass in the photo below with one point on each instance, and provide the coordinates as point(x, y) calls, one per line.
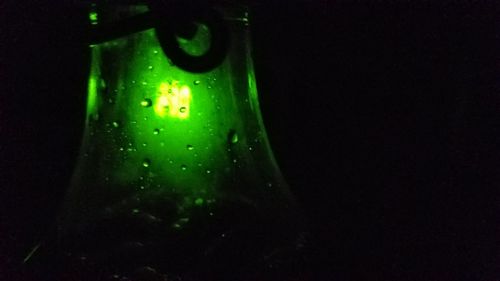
point(175, 177)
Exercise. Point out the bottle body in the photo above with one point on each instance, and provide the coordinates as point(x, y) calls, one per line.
point(176, 177)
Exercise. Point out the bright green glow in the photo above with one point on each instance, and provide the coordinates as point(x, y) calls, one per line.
point(92, 95)
point(198, 201)
point(167, 117)
point(173, 100)
point(175, 131)
point(93, 17)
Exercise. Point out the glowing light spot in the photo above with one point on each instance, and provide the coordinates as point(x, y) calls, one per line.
point(198, 201)
point(93, 17)
point(173, 100)
point(92, 96)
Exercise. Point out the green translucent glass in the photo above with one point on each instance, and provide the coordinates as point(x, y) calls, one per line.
point(176, 163)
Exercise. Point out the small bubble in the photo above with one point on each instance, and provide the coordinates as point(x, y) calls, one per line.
point(235, 160)
point(232, 136)
point(269, 184)
point(146, 102)
point(141, 187)
point(150, 67)
point(198, 201)
point(250, 148)
point(182, 109)
point(144, 83)
point(144, 144)
point(183, 167)
point(121, 149)
point(133, 81)
point(135, 211)
point(189, 147)
point(155, 52)
point(156, 131)
point(208, 171)
point(116, 124)
point(197, 82)
point(146, 163)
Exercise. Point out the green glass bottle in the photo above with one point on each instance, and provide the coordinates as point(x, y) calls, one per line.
point(176, 177)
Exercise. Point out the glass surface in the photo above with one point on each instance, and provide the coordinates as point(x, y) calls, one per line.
point(176, 177)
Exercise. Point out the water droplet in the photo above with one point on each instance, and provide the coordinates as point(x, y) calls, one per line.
point(208, 171)
point(250, 148)
point(133, 81)
point(141, 187)
point(146, 102)
point(144, 83)
point(189, 147)
point(183, 167)
point(155, 52)
point(182, 109)
point(150, 67)
point(144, 144)
point(232, 136)
point(156, 131)
point(116, 124)
point(269, 184)
point(198, 201)
point(135, 211)
point(197, 82)
point(121, 149)
point(146, 163)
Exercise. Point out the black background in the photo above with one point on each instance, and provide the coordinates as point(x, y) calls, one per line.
point(383, 117)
